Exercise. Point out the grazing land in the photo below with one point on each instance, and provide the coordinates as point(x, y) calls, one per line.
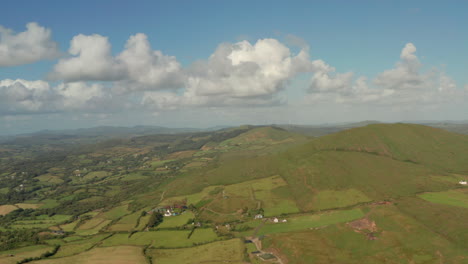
point(163, 238)
point(304, 222)
point(15, 255)
point(383, 193)
point(116, 255)
point(231, 251)
point(453, 197)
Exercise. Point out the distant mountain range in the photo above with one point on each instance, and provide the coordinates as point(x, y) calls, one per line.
point(93, 134)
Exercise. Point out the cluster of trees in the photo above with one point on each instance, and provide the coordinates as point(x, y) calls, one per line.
point(156, 218)
point(43, 256)
point(13, 238)
point(17, 214)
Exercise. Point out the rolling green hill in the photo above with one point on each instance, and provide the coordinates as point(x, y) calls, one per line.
point(428, 146)
point(383, 193)
point(379, 161)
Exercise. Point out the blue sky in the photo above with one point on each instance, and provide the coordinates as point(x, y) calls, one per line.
point(365, 38)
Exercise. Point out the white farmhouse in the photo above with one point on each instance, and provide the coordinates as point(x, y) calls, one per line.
point(462, 182)
point(258, 216)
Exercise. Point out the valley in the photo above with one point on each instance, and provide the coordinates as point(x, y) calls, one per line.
point(380, 193)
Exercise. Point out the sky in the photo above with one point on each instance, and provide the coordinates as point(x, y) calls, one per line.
point(203, 63)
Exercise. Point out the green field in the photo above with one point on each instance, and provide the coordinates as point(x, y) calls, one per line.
point(457, 198)
point(191, 198)
point(49, 203)
point(230, 251)
point(328, 199)
point(92, 223)
point(126, 223)
point(69, 227)
point(342, 244)
point(22, 253)
point(159, 163)
point(115, 212)
point(271, 194)
point(96, 175)
point(143, 222)
point(78, 246)
point(115, 255)
point(163, 238)
point(264, 192)
point(308, 221)
point(42, 221)
point(133, 177)
point(49, 178)
point(92, 226)
point(28, 205)
point(176, 221)
point(375, 194)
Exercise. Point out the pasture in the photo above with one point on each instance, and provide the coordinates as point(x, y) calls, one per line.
point(143, 222)
point(94, 175)
point(309, 221)
point(115, 212)
point(328, 199)
point(22, 253)
point(126, 223)
point(342, 244)
point(28, 205)
point(49, 179)
point(42, 221)
point(271, 193)
point(78, 246)
point(114, 255)
point(176, 221)
point(217, 252)
point(49, 203)
point(92, 226)
point(69, 227)
point(163, 238)
point(457, 198)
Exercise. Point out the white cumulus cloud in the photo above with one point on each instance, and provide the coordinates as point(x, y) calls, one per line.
point(406, 74)
point(26, 47)
point(405, 84)
point(238, 74)
point(149, 67)
point(91, 60)
point(245, 70)
point(30, 97)
point(138, 67)
point(18, 96)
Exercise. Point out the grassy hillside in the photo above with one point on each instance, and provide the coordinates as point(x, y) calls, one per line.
point(431, 147)
point(375, 194)
point(375, 162)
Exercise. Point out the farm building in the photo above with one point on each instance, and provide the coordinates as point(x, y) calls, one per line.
point(168, 213)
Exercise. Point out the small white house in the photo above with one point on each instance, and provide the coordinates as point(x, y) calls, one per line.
point(168, 213)
point(284, 221)
point(258, 216)
point(275, 220)
point(462, 182)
